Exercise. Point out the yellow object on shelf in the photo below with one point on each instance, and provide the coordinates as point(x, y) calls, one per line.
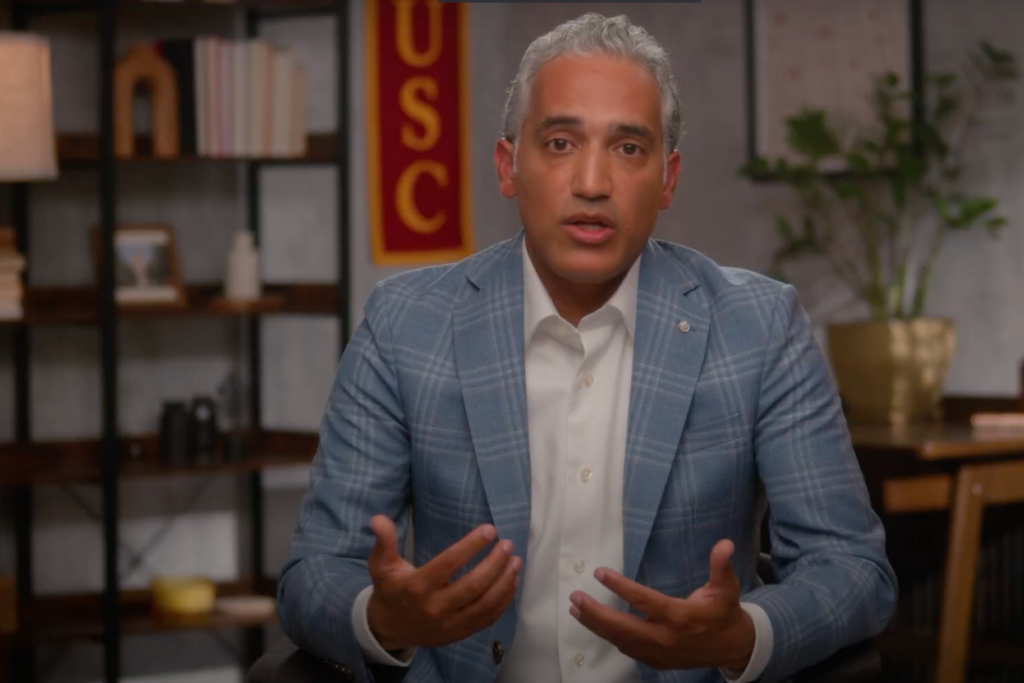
point(183, 595)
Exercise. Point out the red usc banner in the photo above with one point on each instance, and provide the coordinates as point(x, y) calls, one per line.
point(418, 126)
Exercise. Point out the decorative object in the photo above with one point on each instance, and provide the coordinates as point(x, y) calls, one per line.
point(892, 371)
point(242, 269)
point(175, 434)
point(418, 131)
point(203, 413)
point(8, 604)
point(27, 142)
point(148, 271)
point(246, 606)
point(231, 408)
point(182, 596)
point(143, 66)
point(881, 227)
point(823, 55)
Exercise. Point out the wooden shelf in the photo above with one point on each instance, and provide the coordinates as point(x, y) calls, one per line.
point(83, 150)
point(79, 616)
point(79, 305)
point(55, 462)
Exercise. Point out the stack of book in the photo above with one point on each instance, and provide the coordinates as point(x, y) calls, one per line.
point(12, 264)
point(238, 98)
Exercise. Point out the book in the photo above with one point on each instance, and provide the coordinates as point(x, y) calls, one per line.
point(239, 98)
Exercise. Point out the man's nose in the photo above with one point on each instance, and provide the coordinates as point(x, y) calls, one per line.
point(592, 179)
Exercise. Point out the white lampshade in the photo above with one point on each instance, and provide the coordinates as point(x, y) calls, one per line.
point(27, 142)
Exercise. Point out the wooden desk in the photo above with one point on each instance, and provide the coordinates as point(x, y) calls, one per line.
point(946, 467)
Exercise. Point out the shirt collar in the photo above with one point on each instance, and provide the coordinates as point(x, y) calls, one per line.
point(538, 306)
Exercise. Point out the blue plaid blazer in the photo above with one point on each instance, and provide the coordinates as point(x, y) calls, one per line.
point(427, 417)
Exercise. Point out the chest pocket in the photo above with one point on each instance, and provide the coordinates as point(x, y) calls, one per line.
point(719, 432)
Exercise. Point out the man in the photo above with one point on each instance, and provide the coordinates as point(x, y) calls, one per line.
point(585, 425)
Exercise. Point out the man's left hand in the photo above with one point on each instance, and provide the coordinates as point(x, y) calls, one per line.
point(707, 629)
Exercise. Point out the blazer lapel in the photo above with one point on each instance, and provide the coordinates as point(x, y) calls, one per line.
point(488, 343)
point(668, 352)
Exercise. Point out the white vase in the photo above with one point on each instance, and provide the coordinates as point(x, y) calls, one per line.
point(242, 279)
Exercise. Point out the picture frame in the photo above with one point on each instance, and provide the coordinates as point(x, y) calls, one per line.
point(148, 268)
point(824, 55)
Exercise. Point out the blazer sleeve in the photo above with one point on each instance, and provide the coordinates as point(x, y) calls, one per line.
point(835, 584)
point(361, 468)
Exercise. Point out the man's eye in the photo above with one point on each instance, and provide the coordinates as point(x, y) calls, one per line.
point(559, 144)
point(630, 149)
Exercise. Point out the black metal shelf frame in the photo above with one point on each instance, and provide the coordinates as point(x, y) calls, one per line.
point(22, 659)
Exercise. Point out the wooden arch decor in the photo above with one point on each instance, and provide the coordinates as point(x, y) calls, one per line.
point(141, 65)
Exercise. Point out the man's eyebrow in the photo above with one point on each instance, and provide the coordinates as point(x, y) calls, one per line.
point(561, 120)
point(636, 130)
point(558, 121)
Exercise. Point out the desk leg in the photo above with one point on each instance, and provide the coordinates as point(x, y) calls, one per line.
point(961, 567)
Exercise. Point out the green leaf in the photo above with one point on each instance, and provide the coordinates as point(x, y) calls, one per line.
point(784, 228)
point(809, 133)
point(952, 173)
point(971, 209)
point(858, 163)
point(946, 107)
point(754, 168)
point(995, 224)
point(942, 79)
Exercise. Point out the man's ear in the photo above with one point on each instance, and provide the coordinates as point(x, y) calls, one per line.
point(672, 163)
point(504, 158)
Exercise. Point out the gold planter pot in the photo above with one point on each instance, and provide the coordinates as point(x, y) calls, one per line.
point(892, 372)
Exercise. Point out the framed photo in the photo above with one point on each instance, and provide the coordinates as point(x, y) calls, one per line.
point(147, 269)
point(824, 55)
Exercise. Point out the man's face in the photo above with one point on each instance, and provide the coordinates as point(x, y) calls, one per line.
point(591, 174)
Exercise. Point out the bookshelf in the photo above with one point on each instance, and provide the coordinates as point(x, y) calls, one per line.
point(107, 616)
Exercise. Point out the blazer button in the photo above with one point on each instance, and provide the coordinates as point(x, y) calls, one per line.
point(498, 652)
point(345, 672)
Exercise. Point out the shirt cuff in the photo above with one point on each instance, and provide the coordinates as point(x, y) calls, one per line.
point(764, 640)
point(372, 651)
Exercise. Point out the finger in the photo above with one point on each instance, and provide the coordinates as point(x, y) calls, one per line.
point(473, 585)
point(628, 633)
point(495, 601)
point(385, 550)
point(448, 562)
point(648, 601)
point(722, 576)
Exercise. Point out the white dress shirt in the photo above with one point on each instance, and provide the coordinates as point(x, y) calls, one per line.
point(577, 393)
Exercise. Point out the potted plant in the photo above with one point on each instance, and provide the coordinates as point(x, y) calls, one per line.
point(880, 224)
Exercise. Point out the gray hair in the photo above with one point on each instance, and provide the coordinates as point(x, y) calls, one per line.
point(588, 35)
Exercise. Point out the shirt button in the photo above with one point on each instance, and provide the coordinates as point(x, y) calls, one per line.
point(579, 566)
point(588, 381)
point(578, 659)
point(586, 474)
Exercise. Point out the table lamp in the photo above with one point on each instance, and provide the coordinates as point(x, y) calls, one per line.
point(27, 142)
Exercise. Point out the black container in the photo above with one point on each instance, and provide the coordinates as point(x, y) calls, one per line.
point(204, 428)
point(175, 433)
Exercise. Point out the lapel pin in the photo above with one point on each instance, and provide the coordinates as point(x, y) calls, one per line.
point(684, 326)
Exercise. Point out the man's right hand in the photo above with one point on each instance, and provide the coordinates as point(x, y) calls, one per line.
point(412, 607)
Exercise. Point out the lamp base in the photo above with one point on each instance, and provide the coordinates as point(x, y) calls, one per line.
point(11, 266)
